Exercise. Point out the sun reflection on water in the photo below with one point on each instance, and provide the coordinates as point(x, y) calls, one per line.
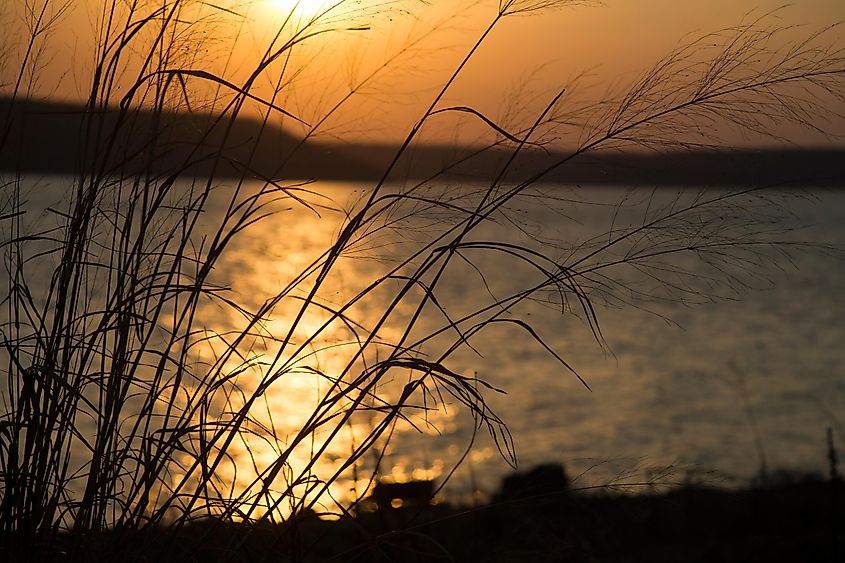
point(297, 371)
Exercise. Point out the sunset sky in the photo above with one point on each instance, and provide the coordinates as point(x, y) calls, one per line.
point(524, 62)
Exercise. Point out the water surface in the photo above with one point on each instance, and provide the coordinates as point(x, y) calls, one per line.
point(709, 386)
point(707, 390)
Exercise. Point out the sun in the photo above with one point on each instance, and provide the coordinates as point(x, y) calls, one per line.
point(301, 8)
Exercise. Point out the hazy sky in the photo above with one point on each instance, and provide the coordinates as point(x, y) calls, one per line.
point(524, 61)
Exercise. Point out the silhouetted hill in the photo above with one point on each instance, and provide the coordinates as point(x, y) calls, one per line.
point(45, 137)
point(58, 138)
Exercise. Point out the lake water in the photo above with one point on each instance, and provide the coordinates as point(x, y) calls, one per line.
point(685, 388)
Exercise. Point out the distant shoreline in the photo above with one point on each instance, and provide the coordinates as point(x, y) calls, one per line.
point(46, 138)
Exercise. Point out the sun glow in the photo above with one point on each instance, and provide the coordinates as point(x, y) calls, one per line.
point(301, 8)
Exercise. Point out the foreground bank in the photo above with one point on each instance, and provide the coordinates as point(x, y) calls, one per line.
point(534, 517)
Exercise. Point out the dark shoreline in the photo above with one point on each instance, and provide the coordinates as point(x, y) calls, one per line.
point(795, 519)
point(47, 138)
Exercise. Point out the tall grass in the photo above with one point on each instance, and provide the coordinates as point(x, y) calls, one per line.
point(125, 407)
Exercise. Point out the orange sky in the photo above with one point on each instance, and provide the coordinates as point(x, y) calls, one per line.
point(518, 69)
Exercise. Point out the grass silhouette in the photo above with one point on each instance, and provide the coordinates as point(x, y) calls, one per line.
point(124, 410)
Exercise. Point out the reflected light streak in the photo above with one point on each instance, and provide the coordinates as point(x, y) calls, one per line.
point(306, 376)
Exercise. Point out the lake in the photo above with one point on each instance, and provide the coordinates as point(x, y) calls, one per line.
point(712, 365)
